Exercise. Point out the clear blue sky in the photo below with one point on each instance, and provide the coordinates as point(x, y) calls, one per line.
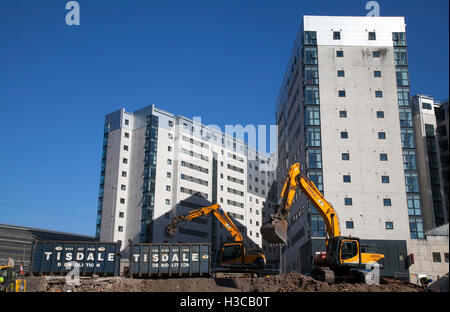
point(194, 58)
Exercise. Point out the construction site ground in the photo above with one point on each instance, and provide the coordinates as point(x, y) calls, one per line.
point(293, 282)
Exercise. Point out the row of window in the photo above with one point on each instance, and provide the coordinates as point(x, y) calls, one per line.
point(343, 114)
point(343, 93)
point(376, 73)
point(389, 225)
point(375, 53)
point(346, 156)
point(381, 135)
point(193, 179)
point(194, 154)
point(371, 35)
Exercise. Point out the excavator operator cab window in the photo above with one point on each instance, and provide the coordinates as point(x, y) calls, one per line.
point(349, 250)
point(231, 252)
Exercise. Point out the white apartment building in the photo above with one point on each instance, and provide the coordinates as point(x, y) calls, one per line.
point(341, 114)
point(156, 165)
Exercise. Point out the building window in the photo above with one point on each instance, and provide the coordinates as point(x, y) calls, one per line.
point(310, 55)
point(312, 116)
point(446, 257)
point(127, 135)
point(382, 135)
point(378, 94)
point(413, 202)
point(372, 35)
point(312, 137)
point(341, 93)
point(341, 73)
point(349, 225)
point(347, 179)
point(343, 114)
point(399, 39)
point(123, 187)
point(121, 214)
point(400, 57)
point(409, 160)
point(124, 174)
point(169, 148)
point(345, 156)
point(170, 123)
point(125, 147)
point(344, 135)
point(167, 201)
point(407, 136)
point(120, 228)
point(384, 179)
point(122, 200)
point(376, 54)
point(402, 76)
point(427, 106)
point(348, 201)
point(389, 225)
point(403, 96)
point(311, 95)
point(169, 161)
point(311, 75)
point(168, 188)
point(380, 114)
point(436, 257)
point(339, 53)
point(377, 73)
point(405, 117)
point(411, 182)
point(387, 202)
point(127, 122)
point(317, 227)
point(383, 157)
point(416, 228)
point(125, 161)
point(336, 35)
point(314, 159)
point(169, 174)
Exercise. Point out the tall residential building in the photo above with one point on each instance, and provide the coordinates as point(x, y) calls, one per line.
point(156, 165)
point(441, 112)
point(428, 162)
point(344, 114)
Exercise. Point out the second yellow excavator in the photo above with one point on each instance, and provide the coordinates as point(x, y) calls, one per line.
point(233, 257)
point(343, 255)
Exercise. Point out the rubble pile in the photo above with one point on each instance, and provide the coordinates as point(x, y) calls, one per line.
point(293, 282)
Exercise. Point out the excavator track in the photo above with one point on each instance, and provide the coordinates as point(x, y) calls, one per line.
point(323, 274)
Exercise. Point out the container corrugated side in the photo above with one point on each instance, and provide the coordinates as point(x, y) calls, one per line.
point(170, 260)
point(61, 257)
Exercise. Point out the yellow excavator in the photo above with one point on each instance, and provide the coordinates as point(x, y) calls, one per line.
point(9, 280)
point(233, 257)
point(343, 257)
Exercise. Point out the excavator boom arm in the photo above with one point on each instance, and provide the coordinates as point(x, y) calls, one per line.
point(221, 215)
point(275, 231)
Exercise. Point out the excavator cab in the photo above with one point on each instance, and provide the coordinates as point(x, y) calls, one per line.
point(343, 250)
point(231, 253)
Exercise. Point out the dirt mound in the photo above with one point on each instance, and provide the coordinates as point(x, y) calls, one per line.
point(293, 282)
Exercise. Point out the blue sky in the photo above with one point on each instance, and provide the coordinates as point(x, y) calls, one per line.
point(193, 58)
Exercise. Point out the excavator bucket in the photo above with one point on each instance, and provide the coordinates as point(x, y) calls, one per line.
point(275, 232)
point(170, 230)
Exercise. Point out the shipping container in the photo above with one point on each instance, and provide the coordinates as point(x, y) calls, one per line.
point(62, 257)
point(170, 260)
